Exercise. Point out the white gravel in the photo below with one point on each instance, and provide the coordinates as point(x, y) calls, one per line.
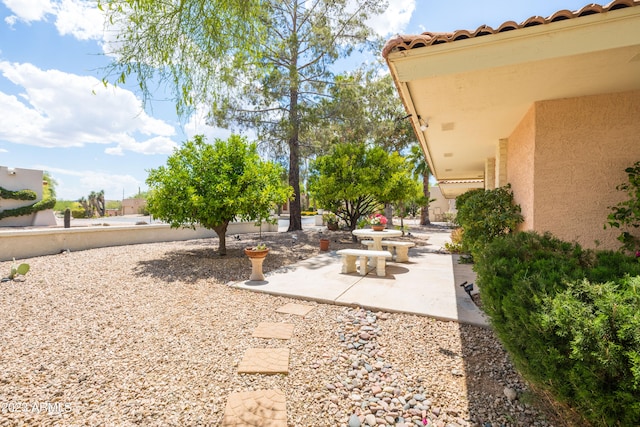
point(151, 335)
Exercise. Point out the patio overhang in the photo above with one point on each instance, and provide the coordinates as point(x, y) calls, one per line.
point(471, 89)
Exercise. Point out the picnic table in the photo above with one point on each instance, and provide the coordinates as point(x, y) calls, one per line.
point(376, 236)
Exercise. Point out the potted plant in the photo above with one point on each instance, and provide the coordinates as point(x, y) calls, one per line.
point(256, 255)
point(331, 219)
point(259, 251)
point(378, 222)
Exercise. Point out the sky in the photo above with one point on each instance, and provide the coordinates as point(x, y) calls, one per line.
point(57, 116)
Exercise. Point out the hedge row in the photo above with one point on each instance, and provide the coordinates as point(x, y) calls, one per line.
point(570, 319)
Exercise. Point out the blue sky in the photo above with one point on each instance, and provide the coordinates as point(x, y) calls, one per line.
point(56, 115)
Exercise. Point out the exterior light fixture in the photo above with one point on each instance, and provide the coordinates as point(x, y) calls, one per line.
point(423, 124)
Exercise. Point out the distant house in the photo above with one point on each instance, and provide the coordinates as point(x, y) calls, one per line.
point(133, 206)
point(550, 105)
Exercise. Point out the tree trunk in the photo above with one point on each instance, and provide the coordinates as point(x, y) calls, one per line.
point(295, 210)
point(424, 212)
point(388, 212)
point(221, 231)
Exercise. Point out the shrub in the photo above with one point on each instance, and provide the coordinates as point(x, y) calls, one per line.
point(455, 246)
point(485, 215)
point(78, 213)
point(563, 314)
point(627, 213)
point(600, 324)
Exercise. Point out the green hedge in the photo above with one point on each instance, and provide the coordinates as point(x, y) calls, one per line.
point(17, 195)
point(485, 215)
point(570, 319)
point(26, 210)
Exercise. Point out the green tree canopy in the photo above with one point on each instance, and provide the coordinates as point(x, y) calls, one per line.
point(363, 106)
point(355, 180)
point(212, 185)
point(259, 65)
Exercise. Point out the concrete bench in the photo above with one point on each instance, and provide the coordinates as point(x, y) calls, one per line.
point(349, 260)
point(401, 248)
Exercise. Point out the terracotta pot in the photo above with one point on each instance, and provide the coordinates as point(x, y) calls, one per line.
point(377, 227)
point(253, 253)
point(324, 244)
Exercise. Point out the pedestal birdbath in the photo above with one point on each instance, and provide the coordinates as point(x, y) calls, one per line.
point(256, 255)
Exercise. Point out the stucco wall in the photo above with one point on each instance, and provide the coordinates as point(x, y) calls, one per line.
point(582, 146)
point(15, 179)
point(520, 167)
point(29, 243)
point(439, 206)
point(133, 206)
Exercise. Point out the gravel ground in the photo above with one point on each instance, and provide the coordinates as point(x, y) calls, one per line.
point(152, 335)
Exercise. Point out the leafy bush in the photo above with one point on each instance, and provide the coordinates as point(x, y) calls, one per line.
point(26, 210)
point(485, 215)
point(455, 247)
point(17, 195)
point(600, 325)
point(627, 213)
point(563, 314)
point(78, 213)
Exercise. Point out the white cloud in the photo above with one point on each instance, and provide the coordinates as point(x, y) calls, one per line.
point(157, 145)
point(73, 184)
point(2, 150)
point(80, 18)
point(31, 10)
point(59, 109)
point(197, 125)
point(395, 19)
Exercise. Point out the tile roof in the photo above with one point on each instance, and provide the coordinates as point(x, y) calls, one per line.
point(407, 42)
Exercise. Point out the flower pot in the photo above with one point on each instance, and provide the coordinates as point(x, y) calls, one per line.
point(324, 244)
point(377, 227)
point(256, 253)
point(257, 258)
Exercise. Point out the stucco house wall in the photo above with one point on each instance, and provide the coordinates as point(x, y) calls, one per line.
point(133, 206)
point(15, 179)
point(520, 167)
point(564, 177)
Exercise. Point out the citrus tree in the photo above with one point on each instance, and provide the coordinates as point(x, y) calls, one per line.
point(213, 184)
point(355, 180)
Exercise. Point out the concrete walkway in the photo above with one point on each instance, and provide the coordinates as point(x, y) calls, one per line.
point(428, 285)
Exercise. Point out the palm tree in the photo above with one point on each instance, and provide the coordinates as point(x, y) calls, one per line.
point(100, 203)
point(421, 169)
point(86, 205)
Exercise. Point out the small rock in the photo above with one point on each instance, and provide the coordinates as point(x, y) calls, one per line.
point(457, 373)
point(354, 421)
point(370, 419)
point(510, 393)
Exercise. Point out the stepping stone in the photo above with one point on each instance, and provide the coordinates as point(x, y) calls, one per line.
point(297, 309)
point(260, 408)
point(265, 361)
point(281, 331)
